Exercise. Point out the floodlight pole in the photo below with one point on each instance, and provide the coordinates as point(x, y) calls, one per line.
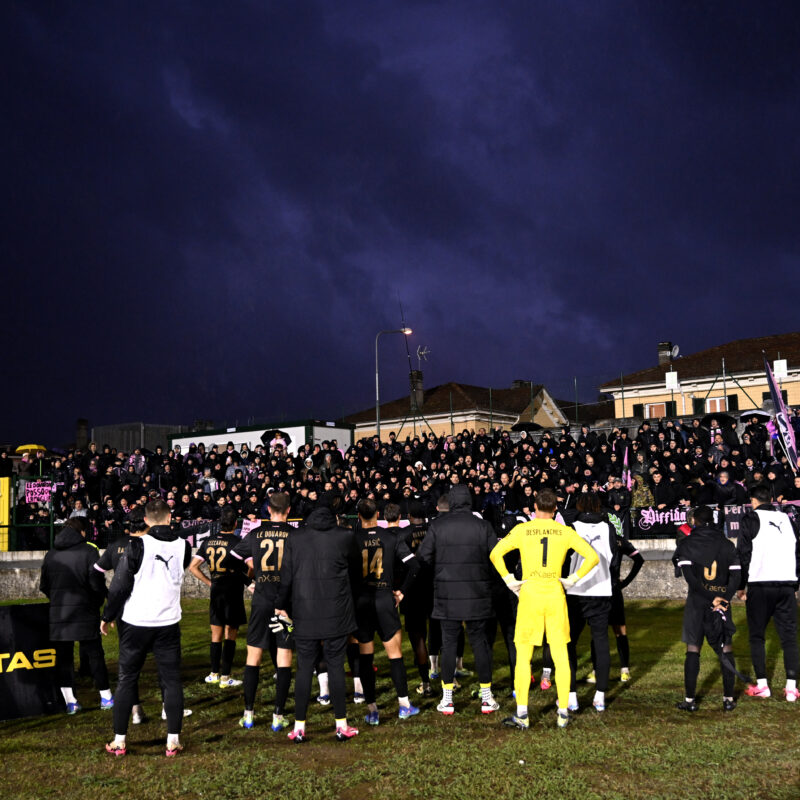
point(406, 332)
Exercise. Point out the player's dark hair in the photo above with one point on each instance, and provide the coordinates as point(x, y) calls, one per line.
point(135, 520)
point(702, 515)
point(157, 511)
point(279, 502)
point(761, 493)
point(391, 512)
point(588, 502)
point(546, 501)
point(227, 519)
point(367, 508)
point(80, 524)
point(443, 504)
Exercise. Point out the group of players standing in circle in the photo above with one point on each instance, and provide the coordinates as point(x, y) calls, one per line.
point(325, 591)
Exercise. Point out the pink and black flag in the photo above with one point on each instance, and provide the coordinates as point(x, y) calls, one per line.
point(627, 478)
point(785, 430)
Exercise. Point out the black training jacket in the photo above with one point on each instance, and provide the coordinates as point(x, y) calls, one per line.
point(76, 590)
point(320, 573)
point(457, 548)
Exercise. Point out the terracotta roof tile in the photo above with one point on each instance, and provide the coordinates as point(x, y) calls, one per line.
point(742, 355)
point(465, 398)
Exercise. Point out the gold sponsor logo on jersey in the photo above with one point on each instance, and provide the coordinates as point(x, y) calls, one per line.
point(710, 574)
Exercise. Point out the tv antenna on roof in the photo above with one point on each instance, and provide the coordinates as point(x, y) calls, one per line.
point(422, 354)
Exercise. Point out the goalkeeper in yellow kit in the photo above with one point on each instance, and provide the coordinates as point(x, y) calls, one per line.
point(543, 544)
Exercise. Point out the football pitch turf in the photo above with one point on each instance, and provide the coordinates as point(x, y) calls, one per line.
point(641, 747)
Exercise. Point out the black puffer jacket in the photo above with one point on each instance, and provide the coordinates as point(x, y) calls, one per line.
point(321, 571)
point(457, 548)
point(76, 590)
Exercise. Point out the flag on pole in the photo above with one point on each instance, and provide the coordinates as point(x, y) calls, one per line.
point(627, 479)
point(785, 430)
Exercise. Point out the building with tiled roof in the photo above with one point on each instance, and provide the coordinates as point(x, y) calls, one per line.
point(451, 407)
point(728, 377)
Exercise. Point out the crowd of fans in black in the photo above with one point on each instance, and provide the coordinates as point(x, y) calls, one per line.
point(668, 463)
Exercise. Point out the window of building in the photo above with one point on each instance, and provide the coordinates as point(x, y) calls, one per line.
point(768, 396)
point(655, 410)
point(715, 405)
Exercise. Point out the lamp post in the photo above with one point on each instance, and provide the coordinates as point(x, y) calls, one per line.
point(405, 332)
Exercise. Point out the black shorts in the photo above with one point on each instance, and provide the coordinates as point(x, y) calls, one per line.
point(227, 605)
point(617, 615)
point(376, 613)
point(417, 609)
point(259, 633)
point(700, 622)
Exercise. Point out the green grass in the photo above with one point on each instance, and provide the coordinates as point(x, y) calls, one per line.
point(641, 747)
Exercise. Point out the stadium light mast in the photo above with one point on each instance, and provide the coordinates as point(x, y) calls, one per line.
point(405, 332)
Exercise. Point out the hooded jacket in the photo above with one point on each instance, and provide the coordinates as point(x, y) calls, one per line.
point(457, 548)
point(321, 572)
point(76, 590)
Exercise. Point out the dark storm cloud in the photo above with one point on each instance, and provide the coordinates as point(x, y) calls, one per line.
point(213, 210)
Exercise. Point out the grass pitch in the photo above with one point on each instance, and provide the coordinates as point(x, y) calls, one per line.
point(641, 747)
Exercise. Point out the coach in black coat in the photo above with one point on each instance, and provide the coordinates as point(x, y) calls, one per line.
point(320, 573)
point(457, 548)
point(76, 591)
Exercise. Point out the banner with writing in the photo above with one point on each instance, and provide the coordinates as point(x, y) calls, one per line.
point(249, 525)
point(38, 491)
point(649, 523)
point(28, 682)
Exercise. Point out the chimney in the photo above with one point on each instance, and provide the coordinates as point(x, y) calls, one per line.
point(417, 393)
point(520, 384)
point(664, 353)
point(82, 433)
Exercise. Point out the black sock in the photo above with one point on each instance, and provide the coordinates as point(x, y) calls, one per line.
point(424, 672)
point(250, 686)
point(691, 669)
point(282, 688)
point(228, 651)
point(367, 676)
point(728, 676)
point(216, 655)
point(398, 672)
point(547, 659)
point(624, 651)
point(352, 659)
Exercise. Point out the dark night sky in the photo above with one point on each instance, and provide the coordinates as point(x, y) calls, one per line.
point(210, 209)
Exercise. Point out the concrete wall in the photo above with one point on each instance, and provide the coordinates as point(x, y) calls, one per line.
point(19, 575)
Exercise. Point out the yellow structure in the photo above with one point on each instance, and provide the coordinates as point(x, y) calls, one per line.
point(727, 378)
point(5, 512)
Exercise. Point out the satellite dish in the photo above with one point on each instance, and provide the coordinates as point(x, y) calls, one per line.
point(675, 352)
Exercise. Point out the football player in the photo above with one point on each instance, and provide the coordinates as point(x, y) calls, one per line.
point(226, 610)
point(709, 563)
point(262, 551)
point(543, 544)
point(376, 604)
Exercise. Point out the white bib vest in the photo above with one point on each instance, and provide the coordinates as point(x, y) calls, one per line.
point(598, 582)
point(773, 556)
point(156, 597)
